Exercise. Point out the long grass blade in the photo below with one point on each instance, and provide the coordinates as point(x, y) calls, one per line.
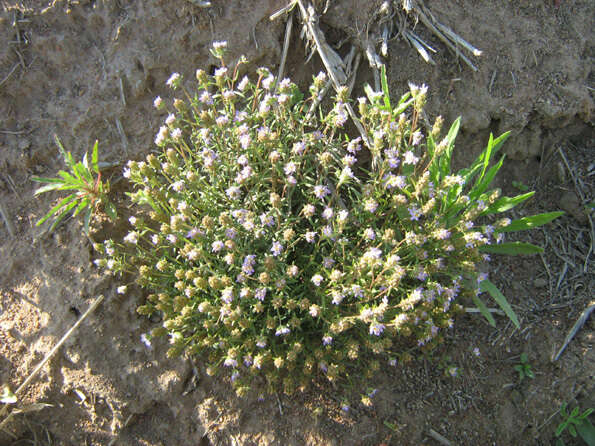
point(500, 299)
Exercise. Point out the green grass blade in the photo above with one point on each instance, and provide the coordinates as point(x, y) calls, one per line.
point(470, 172)
point(481, 186)
point(512, 248)
point(402, 107)
point(70, 179)
point(506, 203)
point(482, 307)
point(55, 209)
point(500, 299)
point(82, 205)
point(523, 224)
point(49, 187)
point(46, 180)
point(386, 95)
point(487, 156)
point(95, 157)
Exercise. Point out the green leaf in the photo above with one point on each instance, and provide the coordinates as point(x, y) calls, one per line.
point(506, 203)
point(470, 172)
point(587, 432)
point(87, 220)
point(391, 426)
point(481, 186)
point(55, 209)
point(385, 87)
point(482, 307)
point(95, 157)
point(63, 214)
point(512, 248)
point(110, 210)
point(84, 203)
point(500, 299)
point(534, 221)
point(70, 179)
point(450, 138)
point(7, 396)
point(48, 187)
point(487, 156)
point(572, 430)
point(402, 107)
point(46, 180)
point(370, 93)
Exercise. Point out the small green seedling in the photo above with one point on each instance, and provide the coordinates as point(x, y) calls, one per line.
point(524, 368)
point(577, 424)
point(520, 186)
point(89, 192)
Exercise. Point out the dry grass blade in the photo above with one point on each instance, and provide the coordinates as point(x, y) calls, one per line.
point(7, 221)
point(575, 328)
point(288, 28)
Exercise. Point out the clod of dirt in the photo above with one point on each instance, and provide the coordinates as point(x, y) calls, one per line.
point(571, 204)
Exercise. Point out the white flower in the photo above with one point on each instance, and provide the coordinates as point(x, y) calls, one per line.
point(173, 80)
point(122, 289)
point(132, 237)
point(317, 279)
point(158, 102)
point(170, 119)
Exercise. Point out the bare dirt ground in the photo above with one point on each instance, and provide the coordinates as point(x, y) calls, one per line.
point(90, 69)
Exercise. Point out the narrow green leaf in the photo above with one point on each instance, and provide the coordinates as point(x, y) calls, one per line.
point(70, 179)
point(512, 248)
point(86, 160)
point(82, 205)
point(63, 214)
point(587, 432)
point(384, 82)
point(481, 186)
point(500, 299)
point(506, 203)
point(95, 157)
point(470, 172)
point(62, 150)
point(402, 107)
point(482, 307)
point(572, 430)
point(52, 211)
point(370, 93)
point(446, 157)
point(87, 220)
point(49, 187)
point(530, 222)
point(46, 180)
point(487, 156)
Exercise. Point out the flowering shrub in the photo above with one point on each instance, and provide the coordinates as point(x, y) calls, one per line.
point(270, 250)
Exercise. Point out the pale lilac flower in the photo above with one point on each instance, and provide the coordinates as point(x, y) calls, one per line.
point(248, 360)
point(373, 253)
point(171, 118)
point(328, 262)
point(290, 168)
point(469, 224)
point(267, 83)
point(417, 136)
point(282, 331)
point(126, 173)
point(369, 234)
point(354, 145)
point(178, 186)
point(345, 408)
point(122, 289)
point(221, 120)
point(392, 362)
point(357, 291)
point(243, 83)
point(314, 310)
point(453, 371)
point(327, 340)
point(342, 216)
point(376, 328)
point(206, 98)
point(370, 205)
point(219, 44)
point(242, 160)
point(327, 214)
point(261, 343)
point(277, 248)
point(260, 294)
point(327, 231)
point(172, 238)
point(321, 191)
point(176, 134)
point(230, 362)
point(267, 220)
point(349, 160)
point(410, 158)
point(220, 72)
point(308, 210)
point(227, 295)
point(500, 237)
point(310, 236)
point(217, 246)
point(414, 213)
point(291, 180)
point(233, 192)
point(158, 102)
point(293, 271)
point(154, 239)
point(338, 297)
point(146, 340)
point(392, 181)
point(173, 80)
point(231, 233)
point(442, 234)
point(317, 279)
point(161, 135)
point(132, 237)
point(298, 148)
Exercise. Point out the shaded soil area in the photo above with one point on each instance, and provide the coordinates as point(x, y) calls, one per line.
point(90, 69)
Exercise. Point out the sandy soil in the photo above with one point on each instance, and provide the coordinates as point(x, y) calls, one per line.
point(90, 69)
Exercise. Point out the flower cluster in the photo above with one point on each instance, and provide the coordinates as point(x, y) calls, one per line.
point(273, 250)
